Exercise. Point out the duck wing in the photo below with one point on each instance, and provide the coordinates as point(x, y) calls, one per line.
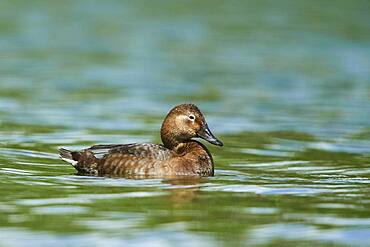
point(117, 159)
point(139, 150)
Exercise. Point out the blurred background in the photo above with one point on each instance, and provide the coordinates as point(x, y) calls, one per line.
point(285, 85)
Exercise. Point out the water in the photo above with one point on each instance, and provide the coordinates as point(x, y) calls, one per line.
point(285, 85)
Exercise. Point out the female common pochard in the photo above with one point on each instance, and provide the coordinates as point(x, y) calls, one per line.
point(179, 155)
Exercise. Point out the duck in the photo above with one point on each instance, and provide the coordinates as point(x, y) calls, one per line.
point(180, 154)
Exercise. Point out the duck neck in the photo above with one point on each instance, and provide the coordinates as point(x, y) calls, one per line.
point(178, 147)
point(168, 135)
point(168, 140)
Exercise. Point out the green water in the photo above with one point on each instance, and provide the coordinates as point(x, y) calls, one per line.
point(284, 84)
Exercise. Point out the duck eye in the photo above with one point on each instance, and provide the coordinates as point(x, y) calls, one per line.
point(191, 117)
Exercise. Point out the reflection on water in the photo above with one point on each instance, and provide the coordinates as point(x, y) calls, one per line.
point(284, 84)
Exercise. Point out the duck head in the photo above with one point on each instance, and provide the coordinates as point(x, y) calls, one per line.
point(183, 123)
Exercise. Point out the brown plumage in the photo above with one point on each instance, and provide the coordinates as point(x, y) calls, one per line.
point(179, 155)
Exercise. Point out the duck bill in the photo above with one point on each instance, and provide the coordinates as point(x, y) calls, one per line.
point(207, 135)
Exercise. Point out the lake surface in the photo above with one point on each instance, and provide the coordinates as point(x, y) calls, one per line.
point(284, 84)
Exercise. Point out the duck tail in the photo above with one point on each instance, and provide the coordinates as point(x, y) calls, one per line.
point(69, 156)
point(83, 161)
